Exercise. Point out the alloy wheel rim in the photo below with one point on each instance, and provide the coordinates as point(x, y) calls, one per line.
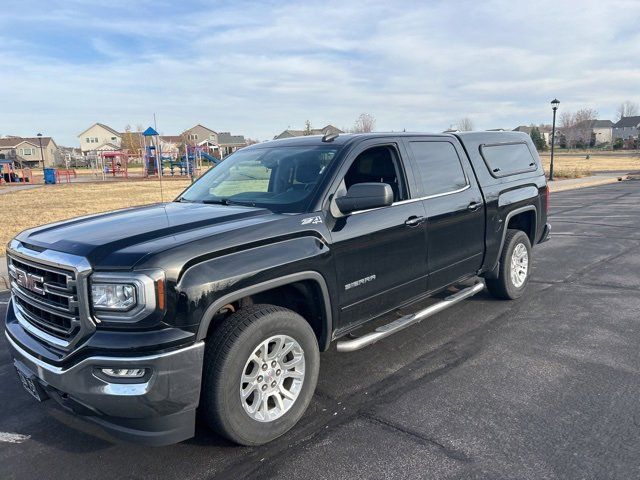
point(519, 265)
point(272, 378)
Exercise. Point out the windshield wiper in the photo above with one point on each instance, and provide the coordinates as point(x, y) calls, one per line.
point(226, 201)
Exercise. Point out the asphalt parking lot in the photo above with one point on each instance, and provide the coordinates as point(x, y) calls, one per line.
point(543, 387)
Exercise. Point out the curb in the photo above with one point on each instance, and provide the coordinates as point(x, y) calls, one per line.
point(593, 183)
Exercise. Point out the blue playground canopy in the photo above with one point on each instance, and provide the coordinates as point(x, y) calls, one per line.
point(149, 132)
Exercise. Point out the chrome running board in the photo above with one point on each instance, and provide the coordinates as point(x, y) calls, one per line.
point(408, 320)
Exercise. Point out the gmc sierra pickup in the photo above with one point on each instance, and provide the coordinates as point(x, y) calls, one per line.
point(223, 299)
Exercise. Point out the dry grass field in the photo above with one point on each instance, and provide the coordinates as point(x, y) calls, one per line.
point(596, 162)
point(28, 208)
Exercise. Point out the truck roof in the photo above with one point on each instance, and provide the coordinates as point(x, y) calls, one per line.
point(346, 138)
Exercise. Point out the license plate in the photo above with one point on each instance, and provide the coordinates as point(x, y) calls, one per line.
point(31, 385)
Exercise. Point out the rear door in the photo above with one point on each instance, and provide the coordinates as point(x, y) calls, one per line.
point(454, 206)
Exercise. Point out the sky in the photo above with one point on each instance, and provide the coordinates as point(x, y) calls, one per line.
point(257, 68)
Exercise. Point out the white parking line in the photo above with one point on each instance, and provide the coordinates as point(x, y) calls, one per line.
point(13, 437)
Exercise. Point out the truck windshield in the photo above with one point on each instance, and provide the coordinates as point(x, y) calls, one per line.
point(278, 178)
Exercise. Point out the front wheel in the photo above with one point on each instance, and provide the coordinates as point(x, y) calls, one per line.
point(515, 267)
point(260, 372)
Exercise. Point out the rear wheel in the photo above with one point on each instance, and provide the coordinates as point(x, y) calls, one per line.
point(515, 267)
point(260, 372)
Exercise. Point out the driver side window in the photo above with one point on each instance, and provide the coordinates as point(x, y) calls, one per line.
point(380, 165)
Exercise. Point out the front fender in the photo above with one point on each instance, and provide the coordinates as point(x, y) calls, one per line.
point(206, 287)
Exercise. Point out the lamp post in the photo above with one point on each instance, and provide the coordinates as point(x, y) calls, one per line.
point(41, 152)
point(554, 105)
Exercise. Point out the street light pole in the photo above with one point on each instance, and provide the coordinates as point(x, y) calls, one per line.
point(554, 105)
point(41, 152)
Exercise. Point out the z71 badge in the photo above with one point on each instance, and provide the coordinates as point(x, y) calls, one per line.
point(311, 220)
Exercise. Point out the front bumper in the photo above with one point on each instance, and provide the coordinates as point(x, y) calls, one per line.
point(158, 411)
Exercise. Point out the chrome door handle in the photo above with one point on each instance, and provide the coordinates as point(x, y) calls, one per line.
point(473, 206)
point(413, 221)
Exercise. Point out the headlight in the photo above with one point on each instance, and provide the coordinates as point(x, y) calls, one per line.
point(126, 297)
point(113, 296)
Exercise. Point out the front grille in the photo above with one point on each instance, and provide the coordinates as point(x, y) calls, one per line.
point(47, 297)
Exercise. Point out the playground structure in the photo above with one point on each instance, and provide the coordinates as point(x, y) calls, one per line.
point(149, 156)
point(191, 162)
point(115, 163)
point(152, 158)
point(11, 174)
point(62, 174)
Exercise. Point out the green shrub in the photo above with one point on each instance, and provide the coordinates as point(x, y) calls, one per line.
point(618, 143)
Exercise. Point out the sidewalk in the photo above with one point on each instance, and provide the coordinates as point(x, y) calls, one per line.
point(556, 186)
point(592, 181)
point(17, 188)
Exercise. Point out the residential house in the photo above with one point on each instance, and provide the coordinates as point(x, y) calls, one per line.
point(524, 129)
point(27, 151)
point(595, 131)
point(230, 143)
point(171, 144)
point(99, 137)
point(198, 134)
point(220, 144)
point(626, 127)
point(314, 131)
point(545, 131)
point(71, 157)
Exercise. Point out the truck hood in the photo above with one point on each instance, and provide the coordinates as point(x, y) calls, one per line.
point(121, 238)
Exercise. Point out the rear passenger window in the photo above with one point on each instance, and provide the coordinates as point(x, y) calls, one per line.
point(508, 159)
point(438, 167)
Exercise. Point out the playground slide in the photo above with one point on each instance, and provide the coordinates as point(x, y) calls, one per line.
point(210, 158)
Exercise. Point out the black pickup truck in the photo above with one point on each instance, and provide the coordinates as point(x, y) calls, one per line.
point(222, 300)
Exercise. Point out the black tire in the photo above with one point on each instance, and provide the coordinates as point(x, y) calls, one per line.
point(503, 287)
point(226, 354)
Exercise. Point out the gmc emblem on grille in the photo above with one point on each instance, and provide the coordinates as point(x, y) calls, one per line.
point(28, 280)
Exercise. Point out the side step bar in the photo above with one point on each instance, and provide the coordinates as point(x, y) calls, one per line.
point(408, 320)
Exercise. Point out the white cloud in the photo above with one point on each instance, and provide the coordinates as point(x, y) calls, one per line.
point(257, 69)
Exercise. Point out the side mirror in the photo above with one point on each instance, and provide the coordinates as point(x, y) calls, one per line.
point(363, 196)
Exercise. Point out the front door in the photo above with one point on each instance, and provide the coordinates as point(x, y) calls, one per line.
point(380, 254)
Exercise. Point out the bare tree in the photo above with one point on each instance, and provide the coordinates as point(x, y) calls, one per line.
point(251, 141)
point(567, 126)
point(584, 119)
point(627, 109)
point(465, 125)
point(365, 123)
point(130, 142)
point(308, 130)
